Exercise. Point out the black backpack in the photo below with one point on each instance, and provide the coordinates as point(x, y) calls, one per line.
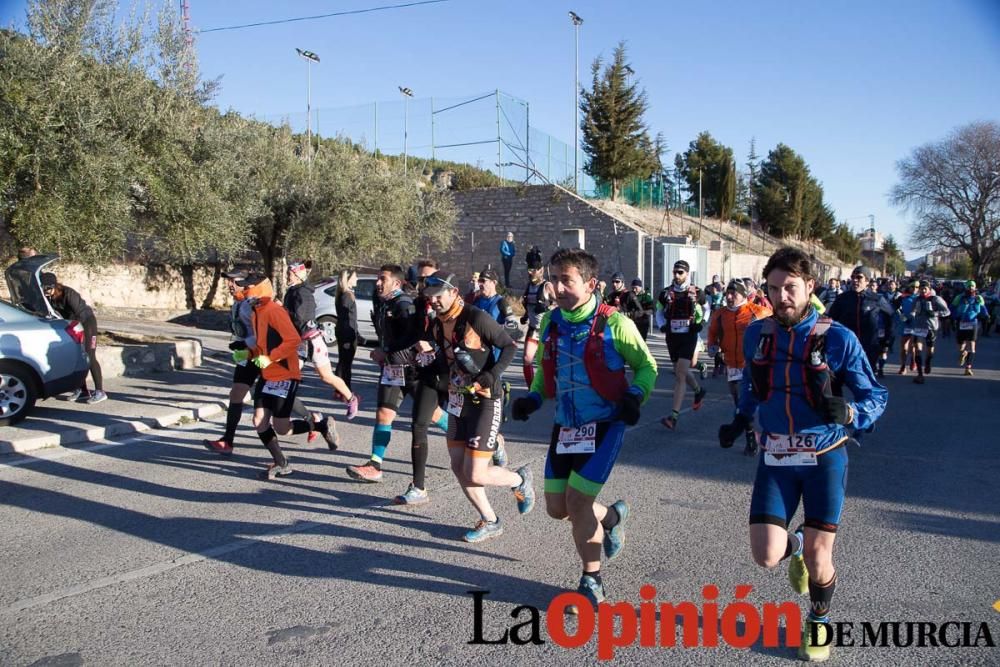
point(534, 257)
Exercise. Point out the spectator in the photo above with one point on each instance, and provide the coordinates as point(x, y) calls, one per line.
point(67, 302)
point(507, 252)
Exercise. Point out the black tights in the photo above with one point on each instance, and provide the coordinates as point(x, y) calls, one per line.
point(90, 345)
point(345, 359)
point(424, 402)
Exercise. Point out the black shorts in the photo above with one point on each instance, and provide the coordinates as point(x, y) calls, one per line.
point(967, 335)
point(477, 426)
point(391, 396)
point(682, 346)
point(246, 373)
point(275, 396)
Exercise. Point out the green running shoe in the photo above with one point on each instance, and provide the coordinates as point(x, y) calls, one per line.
point(810, 652)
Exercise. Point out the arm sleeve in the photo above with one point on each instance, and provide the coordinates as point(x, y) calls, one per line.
point(538, 383)
point(407, 332)
point(747, 405)
point(943, 310)
point(633, 348)
point(496, 337)
point(713, 328)
point(870, 397)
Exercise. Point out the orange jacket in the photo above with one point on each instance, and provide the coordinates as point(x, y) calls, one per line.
point(727, 326)
point(276, 335)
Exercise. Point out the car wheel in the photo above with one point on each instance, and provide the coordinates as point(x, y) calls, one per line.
point(17, 393)
point(328, 325)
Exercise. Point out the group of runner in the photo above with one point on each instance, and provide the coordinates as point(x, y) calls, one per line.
point(785, 363)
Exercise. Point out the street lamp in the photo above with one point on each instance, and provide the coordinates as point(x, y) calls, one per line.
point(310, 58)
point(577, 22)
point(407, 94)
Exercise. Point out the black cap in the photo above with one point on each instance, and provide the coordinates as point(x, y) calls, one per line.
point(618, 275)
point(681, 264)
point(736, 286)
point(862, 271)
point(489, 274)
point(49, 280)
point(439, 282)
point(251, 279)
point(235, 274)
point(636, 283)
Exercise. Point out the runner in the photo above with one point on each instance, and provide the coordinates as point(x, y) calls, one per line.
point(461, 342)
point(538, 297)
point(301, 306)
point(645, 300)
point(861, 311)
point(275, 353)
point(904, 326)
point(245, 374)
point(927, 308)
point(804, 436)
point(67, 302)
point(398, 326)
point(725, 337)
point(586, 346)
point(679, 316)
point(968, 307)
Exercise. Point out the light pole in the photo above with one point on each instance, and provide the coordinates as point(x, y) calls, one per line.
point(701, 210)
point(407, 94)
point(310, 58)
point(577, 22)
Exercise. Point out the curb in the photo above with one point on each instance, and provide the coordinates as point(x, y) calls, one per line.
point(78, 435)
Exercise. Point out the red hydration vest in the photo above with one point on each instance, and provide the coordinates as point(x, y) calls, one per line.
point(609, 385)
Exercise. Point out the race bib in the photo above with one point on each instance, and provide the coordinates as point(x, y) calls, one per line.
point(680, 326)
point(907, 331)
point(920, 333)
point(967, 326)
point(425, 359)
point(393, 375)
point(734, 374)
point(798, 449)
point(277, 388)
point(577, 439)
point(455, 403)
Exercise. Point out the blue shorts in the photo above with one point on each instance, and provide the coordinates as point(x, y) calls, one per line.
point(586, 473)
point(776, 491)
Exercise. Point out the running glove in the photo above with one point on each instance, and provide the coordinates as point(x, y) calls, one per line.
point(836, 410)
point(262, 361)
point(628, 409)
point(239, 356)
point(729, 432)
point(522, 408)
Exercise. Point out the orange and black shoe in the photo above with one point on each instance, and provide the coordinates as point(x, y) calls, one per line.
point(219, 447)
point(699, 399)
point(671, 421)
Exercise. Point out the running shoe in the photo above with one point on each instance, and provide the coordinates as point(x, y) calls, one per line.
point(525, 491)
point(500, 454)
point(918, 380)
point(968, 370)
point(97, 397)
point(78, 394)
point(699, 398)
point(702, 370)
point(365, 473)
point(751, 447)
point(219, 447)
point(590, 589)
point(818, 652)
point(352, 407)
point(505, 407)
point(312, 436)
point(927, 368)
point(614, 539)
point(961, 357)
point(274, 471)
point(902, 370)
point(670, 422)
point(413, 496)
point(484, 530)
point(913, 365)
point(330, 434)
point(798, 574)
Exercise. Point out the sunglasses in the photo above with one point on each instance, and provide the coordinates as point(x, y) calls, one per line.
point(617, 282)
point(679, 273)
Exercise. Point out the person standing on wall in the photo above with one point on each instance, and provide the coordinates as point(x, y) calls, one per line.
point(507, 252)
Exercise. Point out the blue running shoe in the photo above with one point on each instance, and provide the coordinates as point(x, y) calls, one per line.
point(484, 530)
point(524, 492)
point(614, 539)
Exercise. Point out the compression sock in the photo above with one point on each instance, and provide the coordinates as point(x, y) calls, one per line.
point(794, 546)
point(270, 440)
point(418, 455)
point(442, 423)
point(611, 519)
point(301, 426)
point(380, 442)
point(820, 597)
point(300, 409)
point(233, 414)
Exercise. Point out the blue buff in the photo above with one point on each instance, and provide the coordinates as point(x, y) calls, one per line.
point(443, 422)
point(380, 441)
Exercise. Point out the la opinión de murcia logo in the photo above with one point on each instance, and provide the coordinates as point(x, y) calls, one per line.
point(739, 624)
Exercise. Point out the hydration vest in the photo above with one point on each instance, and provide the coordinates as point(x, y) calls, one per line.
point(677, 305)
point(609, 385)
point(816, 375)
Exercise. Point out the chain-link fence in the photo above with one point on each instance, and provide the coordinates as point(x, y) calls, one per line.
point(491, 131)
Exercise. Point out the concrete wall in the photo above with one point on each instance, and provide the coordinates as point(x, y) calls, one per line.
point(537, 215)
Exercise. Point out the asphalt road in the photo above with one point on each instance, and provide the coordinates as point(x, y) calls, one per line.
point(154, 551)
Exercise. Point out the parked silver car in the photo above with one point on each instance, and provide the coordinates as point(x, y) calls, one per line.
point(41, 354)
point(326, 306)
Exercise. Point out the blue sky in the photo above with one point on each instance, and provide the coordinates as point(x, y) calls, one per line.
point(852, 86)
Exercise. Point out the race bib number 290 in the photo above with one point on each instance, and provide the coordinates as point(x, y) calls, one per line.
point(577, 439)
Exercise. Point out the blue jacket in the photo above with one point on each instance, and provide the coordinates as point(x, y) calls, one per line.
point(788, 411)
point(969, 308)
point(507, 248)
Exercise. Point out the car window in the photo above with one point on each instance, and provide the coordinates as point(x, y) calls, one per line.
point(365, 289)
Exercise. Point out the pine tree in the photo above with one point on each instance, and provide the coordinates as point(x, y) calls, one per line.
point(615, 137)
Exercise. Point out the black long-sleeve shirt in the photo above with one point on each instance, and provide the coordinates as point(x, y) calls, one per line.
point(72, 306)
point(347, 317)
point(480, 335)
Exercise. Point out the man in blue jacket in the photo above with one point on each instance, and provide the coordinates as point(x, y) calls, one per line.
point(793, 357)
point(507, 252)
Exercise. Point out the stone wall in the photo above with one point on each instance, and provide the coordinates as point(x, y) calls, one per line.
point(537, 215)
point(132, 287)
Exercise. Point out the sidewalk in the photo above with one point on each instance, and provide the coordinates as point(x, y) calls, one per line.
point(135, 404)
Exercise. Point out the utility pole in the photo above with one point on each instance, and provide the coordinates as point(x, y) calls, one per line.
point(577, 22)
point(310, 58)
point(701, 209)
point(407, 94)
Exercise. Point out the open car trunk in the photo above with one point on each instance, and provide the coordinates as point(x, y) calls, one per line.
point(24, 280)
